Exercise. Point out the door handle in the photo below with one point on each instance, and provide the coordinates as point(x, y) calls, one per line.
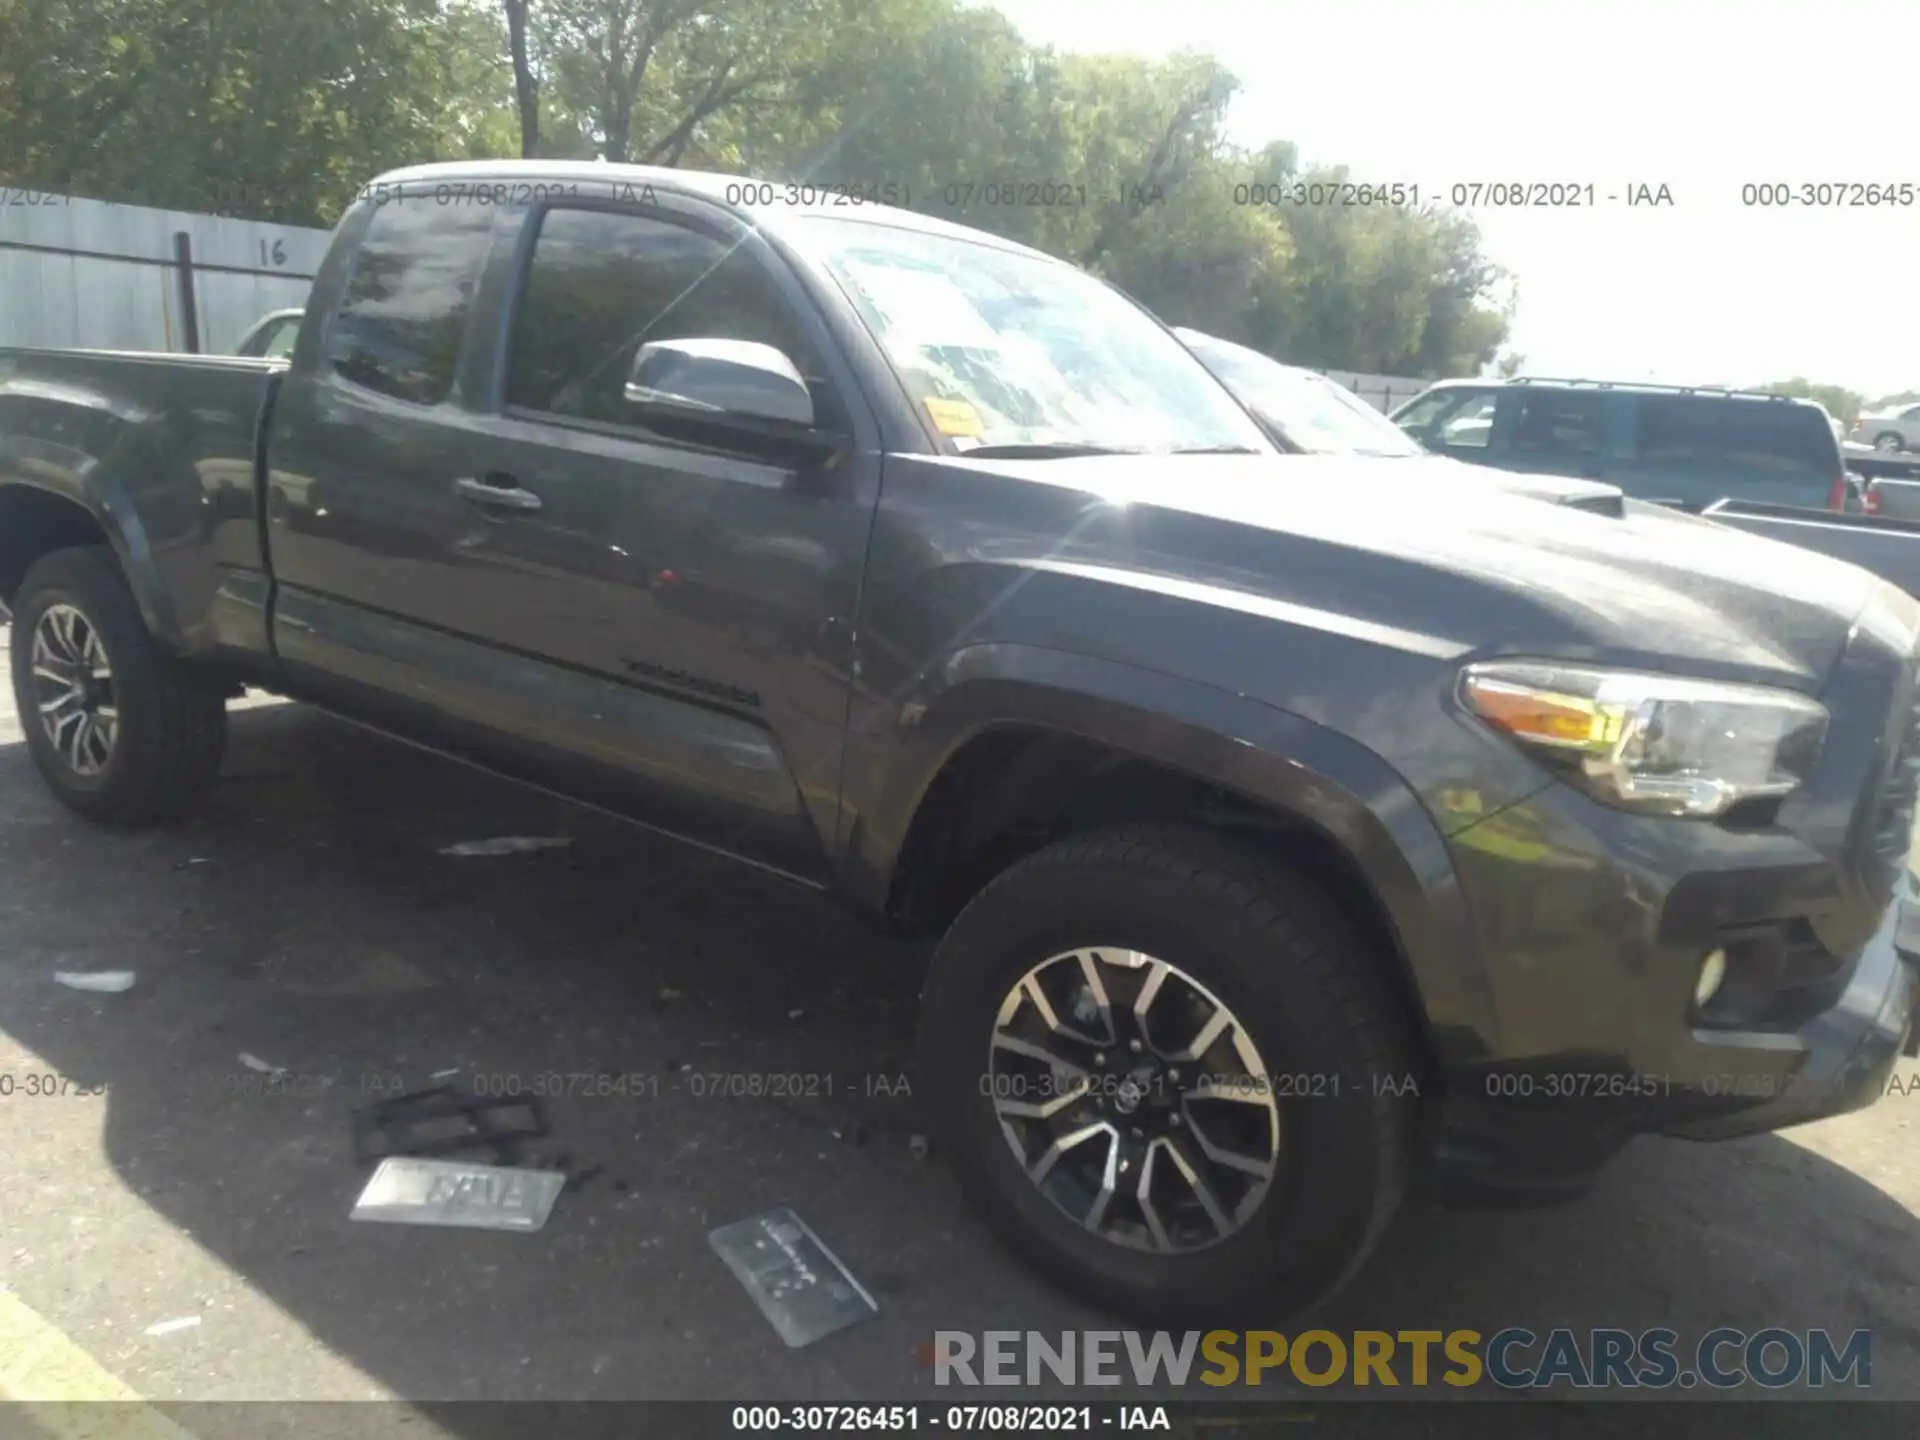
point(498, 491)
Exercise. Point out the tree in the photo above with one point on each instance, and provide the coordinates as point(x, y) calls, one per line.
point(277, 112)
point(1509, 364)
point(1841, 403)
point(648, 80)
point(526, 91)
point(1117, 163)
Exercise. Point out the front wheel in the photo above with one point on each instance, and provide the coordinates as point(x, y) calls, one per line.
point(1889, 443)
point(1171, 1075)
point(121, 731)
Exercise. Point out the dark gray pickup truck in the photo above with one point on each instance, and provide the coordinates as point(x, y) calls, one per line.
point(1281, 845)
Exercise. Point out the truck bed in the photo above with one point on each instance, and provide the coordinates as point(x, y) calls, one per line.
point(1890, 548)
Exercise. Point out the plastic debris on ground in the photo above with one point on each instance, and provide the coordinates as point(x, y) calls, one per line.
point(172, 1327)
point(407, 1190)
point(97, 982)
point(259, 1066)
point(441, 1121)
point(799, 1285)
point(508, 845)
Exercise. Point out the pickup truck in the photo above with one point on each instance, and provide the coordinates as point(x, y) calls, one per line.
point(1281, 850)
point(1893, 488)
point(1888, 543)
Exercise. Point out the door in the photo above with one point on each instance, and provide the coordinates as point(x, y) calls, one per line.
point(677, 606)
point(360, 506)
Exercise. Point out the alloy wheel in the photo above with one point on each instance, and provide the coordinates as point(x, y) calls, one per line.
point(73, 689)
point(1134, 1099)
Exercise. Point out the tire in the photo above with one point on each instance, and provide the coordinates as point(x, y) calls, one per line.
point(1332, 1032)
point(170, 731)
point(1889, 443)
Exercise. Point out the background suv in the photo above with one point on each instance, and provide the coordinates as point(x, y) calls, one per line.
point(1689, 447)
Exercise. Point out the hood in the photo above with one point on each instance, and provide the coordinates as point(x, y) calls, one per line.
point(1463, 557)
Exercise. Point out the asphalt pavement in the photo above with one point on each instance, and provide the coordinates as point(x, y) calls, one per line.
point(307, 920)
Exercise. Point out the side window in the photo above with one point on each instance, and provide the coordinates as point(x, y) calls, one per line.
point(1679, 431)
point(603, 283)
point(1558, 422)
point(1912, 412)
point(398, 326)
point(1420, 412)
point(1745, 434)
point(1469, 424)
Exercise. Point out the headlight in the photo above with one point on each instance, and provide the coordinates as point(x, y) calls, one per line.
point(1653, 743)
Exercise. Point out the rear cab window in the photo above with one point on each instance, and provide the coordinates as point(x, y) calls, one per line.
point(403, 311)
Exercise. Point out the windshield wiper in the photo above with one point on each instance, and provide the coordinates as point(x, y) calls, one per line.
point(1042, 450)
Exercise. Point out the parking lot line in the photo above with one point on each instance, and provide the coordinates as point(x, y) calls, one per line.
point(51, 1389)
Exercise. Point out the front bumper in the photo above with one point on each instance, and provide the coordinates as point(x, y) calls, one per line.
point(1840, 1060)
point(1503, 1135)
point(1593, 924)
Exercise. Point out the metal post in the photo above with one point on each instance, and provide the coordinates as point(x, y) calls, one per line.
point(183, 269)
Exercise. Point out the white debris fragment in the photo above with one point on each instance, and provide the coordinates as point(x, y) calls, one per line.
point(98, 982)
point(509, 845)
point(259, 1066)
point(172, 1327)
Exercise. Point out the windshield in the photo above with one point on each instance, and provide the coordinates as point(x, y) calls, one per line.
point(1310, 410)
point(1007, 349)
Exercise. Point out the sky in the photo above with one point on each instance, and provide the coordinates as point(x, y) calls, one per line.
point(1702, 96)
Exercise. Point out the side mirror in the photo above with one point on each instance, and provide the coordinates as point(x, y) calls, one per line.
point(720, 381)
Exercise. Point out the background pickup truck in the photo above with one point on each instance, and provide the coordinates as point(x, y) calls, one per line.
point(1277, 845)
point(1888, 546)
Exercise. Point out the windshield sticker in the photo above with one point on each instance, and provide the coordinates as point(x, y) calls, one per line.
point(955, 417)
point(922, 310)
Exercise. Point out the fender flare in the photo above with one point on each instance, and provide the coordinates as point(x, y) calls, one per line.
point(106, 501)
point(1269, 756)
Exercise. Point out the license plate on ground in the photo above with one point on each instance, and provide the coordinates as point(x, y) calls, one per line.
point(410, 1191)
point(799, 1284)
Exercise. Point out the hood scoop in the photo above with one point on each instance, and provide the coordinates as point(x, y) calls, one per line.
point(1606, 502)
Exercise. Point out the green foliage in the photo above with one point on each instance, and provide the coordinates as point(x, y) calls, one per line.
point(1841, 403)
point(275, 111)
point(1121, 164)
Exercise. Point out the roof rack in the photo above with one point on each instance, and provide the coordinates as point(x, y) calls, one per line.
point(1648, 385)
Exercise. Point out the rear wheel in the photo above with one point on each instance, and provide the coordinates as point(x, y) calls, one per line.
point(122, 732)
point(1171, 1075)
point(1889, 442)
